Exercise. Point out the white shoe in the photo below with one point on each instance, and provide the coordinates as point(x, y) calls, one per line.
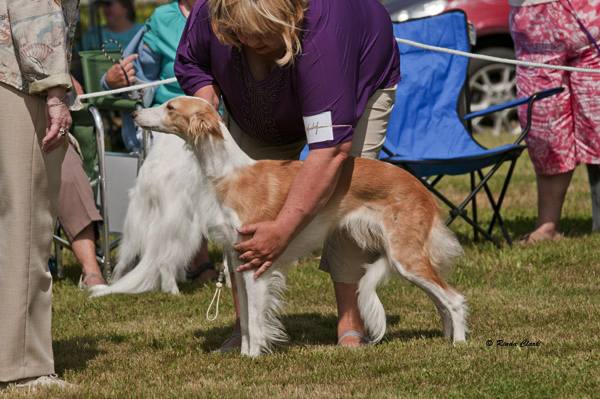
point(32, 383)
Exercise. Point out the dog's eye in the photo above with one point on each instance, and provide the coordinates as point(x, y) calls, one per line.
point(170, 107)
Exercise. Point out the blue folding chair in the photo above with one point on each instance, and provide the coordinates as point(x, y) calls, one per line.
point(428, 136)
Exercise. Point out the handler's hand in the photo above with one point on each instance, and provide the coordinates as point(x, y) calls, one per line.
point(58, 118)
point(115, 78)
point(266, 245)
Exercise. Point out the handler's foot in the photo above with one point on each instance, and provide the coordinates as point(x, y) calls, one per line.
point(353, 339)
point(539, 236)
point(202, 273)
point(233, 343)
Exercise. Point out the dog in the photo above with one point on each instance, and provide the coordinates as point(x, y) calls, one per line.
point(382, 207)
point(161, 231)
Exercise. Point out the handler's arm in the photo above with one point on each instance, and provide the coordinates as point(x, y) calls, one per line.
point(312, 188)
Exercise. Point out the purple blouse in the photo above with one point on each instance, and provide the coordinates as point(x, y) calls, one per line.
point(348, 52)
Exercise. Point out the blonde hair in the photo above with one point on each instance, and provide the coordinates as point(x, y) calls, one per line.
point(260, 17)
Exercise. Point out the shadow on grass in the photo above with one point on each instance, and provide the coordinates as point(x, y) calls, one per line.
point(75, 353)
point(519, 226)
point(306, 329)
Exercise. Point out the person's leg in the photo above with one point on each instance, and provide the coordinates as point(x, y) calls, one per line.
point(349, 318)
point(201, 267)
point(552, 190)
point(77, 213)
point(29, 185)
point(235, 340)
point(84, 248)
point(341, 258)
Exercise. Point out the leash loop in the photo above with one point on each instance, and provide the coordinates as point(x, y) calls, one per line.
point(113, 60)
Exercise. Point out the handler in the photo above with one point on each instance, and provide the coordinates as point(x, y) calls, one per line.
point(292, 71)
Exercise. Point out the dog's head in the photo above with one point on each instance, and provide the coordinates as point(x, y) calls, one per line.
point(191, 118)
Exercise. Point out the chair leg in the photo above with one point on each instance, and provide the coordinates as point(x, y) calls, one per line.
point(474, 207)
point(105, 236)
point(59, 263)
point(497, 206)
point(594, 180)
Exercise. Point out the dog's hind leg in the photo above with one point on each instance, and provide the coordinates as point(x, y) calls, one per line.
point(371, 309)
point(168, 282)
point(449, 303)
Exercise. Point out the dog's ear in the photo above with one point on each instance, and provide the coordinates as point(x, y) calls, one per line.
point(204, 124)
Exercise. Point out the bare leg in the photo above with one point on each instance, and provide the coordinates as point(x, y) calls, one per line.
point(85, 252)
point(552, 190)
point(349, 318)
point(237, 328)
point(200, 259)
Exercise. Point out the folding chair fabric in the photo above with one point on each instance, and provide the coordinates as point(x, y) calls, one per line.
point(428, 133)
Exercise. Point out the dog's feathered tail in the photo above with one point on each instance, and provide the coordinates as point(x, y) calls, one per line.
point(141, 279)
point(442, 247)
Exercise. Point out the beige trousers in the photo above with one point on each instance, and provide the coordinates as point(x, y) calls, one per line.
point(29, 185)
point(342, 258)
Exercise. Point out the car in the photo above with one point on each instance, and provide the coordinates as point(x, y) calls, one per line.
point(490, 82)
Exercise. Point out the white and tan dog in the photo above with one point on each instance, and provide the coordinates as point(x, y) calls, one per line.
point(381, 206)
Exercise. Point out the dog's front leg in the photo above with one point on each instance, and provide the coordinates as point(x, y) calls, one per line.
point(256, 297)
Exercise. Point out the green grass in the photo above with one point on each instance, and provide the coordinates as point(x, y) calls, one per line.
point(157, 345)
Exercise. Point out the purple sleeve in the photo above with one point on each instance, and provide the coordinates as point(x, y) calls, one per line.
point(192, 62)
point(328, 84)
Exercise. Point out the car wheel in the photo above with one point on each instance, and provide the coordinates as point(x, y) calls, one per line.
point(493, 83)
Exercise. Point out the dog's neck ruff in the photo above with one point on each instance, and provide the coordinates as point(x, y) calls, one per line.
point(219, 157)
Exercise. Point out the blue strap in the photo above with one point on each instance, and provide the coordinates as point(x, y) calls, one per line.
point(354, 333)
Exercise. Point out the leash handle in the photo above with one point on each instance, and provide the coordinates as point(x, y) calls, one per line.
point(113, 60)
point(216, 296)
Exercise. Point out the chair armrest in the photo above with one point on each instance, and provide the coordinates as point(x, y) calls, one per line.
point(520, 101)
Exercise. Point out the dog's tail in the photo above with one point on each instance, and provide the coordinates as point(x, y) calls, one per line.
point(141, 279)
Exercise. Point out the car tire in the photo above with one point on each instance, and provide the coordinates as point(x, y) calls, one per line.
point(492, 83)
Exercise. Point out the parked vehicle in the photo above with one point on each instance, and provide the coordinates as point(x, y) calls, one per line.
point(491, 83)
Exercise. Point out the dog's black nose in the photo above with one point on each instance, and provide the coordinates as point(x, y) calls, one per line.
point(134, 114)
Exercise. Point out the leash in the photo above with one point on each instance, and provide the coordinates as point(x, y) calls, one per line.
point(497, 59)
point(405, 41)
point(216, 296)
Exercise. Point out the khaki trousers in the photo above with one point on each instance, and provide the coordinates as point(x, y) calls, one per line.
point(29, 186)
point(341, 258)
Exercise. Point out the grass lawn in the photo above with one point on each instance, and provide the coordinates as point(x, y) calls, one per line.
point(157, 345)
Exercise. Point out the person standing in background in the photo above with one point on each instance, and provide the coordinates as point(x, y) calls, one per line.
point(36, 41)
point(565, 129)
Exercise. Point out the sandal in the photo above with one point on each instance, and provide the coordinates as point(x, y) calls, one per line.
point(193, 274)
point(224, 350)
point(84, 287)
point(362, 337)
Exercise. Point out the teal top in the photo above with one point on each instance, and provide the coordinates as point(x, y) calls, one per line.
point(89, 41)
point(163, 31)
